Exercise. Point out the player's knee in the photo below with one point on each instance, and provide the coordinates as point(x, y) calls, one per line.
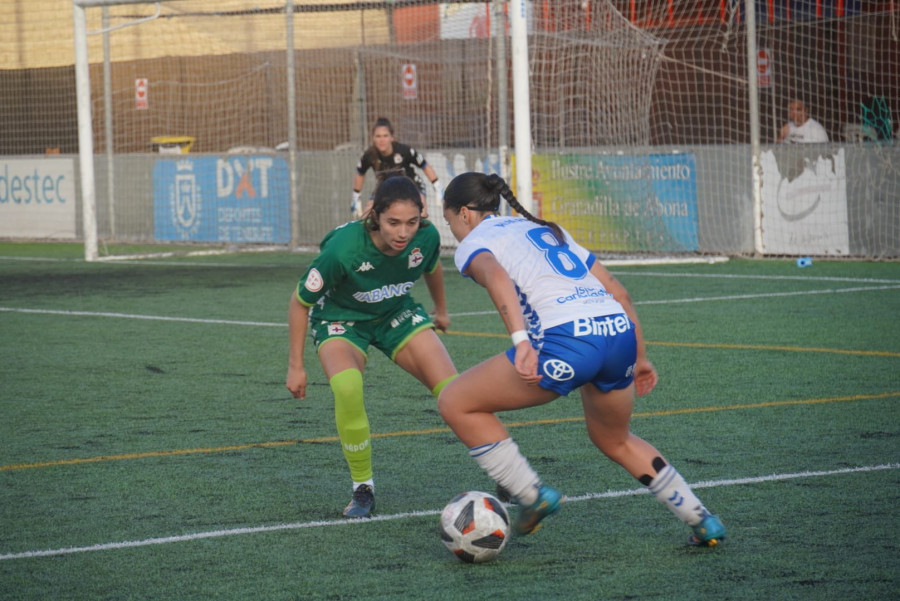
point(347, 387)
point(447, 405)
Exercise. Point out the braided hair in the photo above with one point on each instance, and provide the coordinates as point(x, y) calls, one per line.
point(482, 192)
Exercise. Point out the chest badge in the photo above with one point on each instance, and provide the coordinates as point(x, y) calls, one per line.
point(415, 257)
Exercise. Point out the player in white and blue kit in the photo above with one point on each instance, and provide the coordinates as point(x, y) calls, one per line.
point(573, 326)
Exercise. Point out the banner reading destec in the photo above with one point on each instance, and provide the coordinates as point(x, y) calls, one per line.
point(213, 199)
point(620, 202)
point(37, 198)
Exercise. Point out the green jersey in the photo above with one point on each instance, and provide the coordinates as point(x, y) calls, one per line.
point(351, 280)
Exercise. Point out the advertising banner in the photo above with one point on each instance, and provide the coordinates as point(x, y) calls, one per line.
point(240, 199)
point(37, 198)
point(620, 202)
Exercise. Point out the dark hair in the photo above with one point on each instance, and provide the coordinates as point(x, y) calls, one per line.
point(393, 189)
point(375, 156)
point(481, 192)
point(383, 122)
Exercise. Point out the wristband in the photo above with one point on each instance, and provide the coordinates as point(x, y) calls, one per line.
point(519, 336)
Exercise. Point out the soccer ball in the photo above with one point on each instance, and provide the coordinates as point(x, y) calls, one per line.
point(474, 526)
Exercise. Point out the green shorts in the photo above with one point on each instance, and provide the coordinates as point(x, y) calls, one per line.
point(388, 334)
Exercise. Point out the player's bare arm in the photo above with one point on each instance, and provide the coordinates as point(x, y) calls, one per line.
point(487, 271)
point(435, 283)
point(298, 323)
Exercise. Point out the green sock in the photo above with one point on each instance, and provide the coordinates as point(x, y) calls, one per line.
point(436, 391)
point(352, 423)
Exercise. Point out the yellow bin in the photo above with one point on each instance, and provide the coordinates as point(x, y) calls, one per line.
point(172, 144)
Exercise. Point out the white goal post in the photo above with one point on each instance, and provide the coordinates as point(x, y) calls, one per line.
point(85, 119)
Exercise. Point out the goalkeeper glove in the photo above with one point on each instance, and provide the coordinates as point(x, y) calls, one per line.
point(438, 190)
point(355, 208)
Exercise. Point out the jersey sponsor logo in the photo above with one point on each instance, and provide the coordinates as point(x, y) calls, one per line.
point(336, 329)
point(314, 281)
point(366, 266)
point(582, 292)
point(415, 257)
point(559, 370)
point(385, 292)
point(601, 326)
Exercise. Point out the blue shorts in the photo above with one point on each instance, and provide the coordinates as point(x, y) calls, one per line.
point(600, 350)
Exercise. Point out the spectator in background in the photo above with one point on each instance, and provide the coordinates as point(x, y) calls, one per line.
point(801, 128)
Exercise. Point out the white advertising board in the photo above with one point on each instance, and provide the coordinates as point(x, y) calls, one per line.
point(804, 202)
point(37, 198)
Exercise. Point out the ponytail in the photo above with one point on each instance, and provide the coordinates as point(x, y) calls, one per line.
point(496, 184)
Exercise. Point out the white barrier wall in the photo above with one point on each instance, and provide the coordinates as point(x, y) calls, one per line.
point(830, 199)
point(37, 198)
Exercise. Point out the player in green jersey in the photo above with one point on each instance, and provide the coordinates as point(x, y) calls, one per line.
point(356, 294)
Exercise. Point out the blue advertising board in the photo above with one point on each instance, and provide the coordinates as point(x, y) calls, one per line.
point(239, 199)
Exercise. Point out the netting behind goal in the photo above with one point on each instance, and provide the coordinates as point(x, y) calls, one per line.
point(641, 116)
point(194, 108)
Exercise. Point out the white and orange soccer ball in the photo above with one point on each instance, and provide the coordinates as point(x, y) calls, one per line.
point(475, 526)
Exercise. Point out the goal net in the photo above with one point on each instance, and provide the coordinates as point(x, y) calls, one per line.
point(654, 124)
point(655, 133)
point(238, 122)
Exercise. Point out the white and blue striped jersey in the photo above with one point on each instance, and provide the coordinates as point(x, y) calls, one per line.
point(554, 281)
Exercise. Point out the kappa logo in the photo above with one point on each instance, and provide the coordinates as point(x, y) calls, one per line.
point(558, 370)
point(417, 319)
point(366, 266)
point(415, 257)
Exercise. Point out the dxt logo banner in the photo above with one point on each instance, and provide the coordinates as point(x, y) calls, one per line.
point(222, 199)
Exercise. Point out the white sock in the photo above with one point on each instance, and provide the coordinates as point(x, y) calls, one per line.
point(671, 490)
point(370, 482)
point(508, 467)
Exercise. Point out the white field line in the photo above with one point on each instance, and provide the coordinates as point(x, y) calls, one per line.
point(147, 317)
point(464, 314)
point(415, 514)
point(767, 295)
point(738, 276)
